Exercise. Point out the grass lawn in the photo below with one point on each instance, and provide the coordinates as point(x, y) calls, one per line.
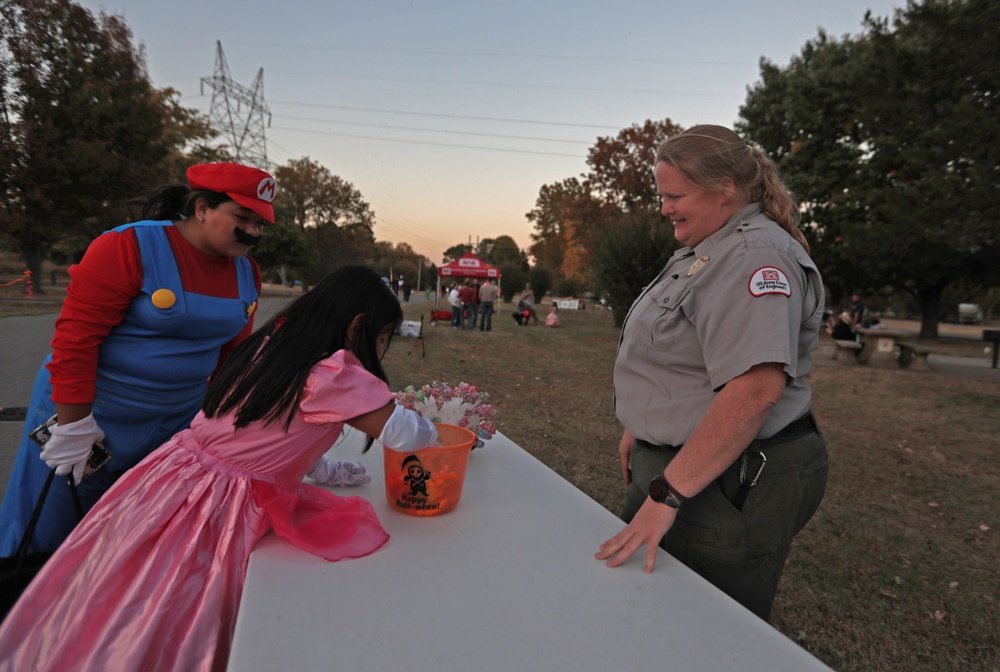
point(899, 568)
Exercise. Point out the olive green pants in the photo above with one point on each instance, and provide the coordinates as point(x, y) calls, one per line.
point(741, 549)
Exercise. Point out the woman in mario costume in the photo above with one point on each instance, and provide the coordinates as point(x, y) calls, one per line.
point(151, 311)
point(722, 458)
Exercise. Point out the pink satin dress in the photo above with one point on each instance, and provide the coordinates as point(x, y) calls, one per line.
point(152, 577)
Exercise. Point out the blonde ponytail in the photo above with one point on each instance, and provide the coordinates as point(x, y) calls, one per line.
point(775, 199)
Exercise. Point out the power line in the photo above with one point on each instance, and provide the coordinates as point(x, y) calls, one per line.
point(437, 130)
point(427, 142)
point(442, 115)
point(515, 85)
point(467, 54)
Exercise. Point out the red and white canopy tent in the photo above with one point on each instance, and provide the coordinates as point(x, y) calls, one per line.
point(466, 266)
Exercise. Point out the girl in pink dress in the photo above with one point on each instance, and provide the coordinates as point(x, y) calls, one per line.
point(152, 577)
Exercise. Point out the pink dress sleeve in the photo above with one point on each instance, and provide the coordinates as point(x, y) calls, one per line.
point(340, 388)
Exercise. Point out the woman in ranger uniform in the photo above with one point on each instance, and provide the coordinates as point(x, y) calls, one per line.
point(722, 457)
point(151, 311)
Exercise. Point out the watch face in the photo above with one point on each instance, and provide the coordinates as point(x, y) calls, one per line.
point(657, 490)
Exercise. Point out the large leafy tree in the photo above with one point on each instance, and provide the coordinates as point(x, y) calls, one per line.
point(512, 261)
point(400, 260)
point(319, 197)
point(621, 168)
point(628, 256)
point(562, 210)
point(81, 127)
point(455, 251)
point(331, 212)
point(891, 140)
point(571, 217)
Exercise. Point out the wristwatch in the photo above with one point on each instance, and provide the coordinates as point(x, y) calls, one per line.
point(662, 492)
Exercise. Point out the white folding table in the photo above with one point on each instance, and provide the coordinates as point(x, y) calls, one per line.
point(506, 581)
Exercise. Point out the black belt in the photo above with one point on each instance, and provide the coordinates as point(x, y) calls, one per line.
point(793, 430)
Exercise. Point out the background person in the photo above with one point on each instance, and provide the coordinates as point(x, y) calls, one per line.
point(487, 295)
point(841, 327)
point(710, 375)
point(456, 306)
point(528, 299)
point(857, 310)
point(153, 576)
point(474, 304)
point(465, 294)
point(150, 312)
point(552, 319)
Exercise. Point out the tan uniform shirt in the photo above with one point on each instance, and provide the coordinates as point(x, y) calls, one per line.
point(748, 294)
point(488, 292)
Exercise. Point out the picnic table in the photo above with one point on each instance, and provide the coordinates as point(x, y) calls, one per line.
point(506, 581)
point(880, 346)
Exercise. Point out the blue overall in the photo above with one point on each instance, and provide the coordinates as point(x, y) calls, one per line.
point(152, 374)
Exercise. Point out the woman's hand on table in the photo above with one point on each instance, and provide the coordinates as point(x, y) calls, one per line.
point(647, 528)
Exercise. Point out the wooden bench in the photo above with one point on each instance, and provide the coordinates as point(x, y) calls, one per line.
point(914, 356)
point(847, 351)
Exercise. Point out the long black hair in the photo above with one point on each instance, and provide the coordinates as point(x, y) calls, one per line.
point(170, 203)
point(263, 378)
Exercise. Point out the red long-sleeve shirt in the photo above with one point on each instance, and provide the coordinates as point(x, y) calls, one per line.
point(104, 284)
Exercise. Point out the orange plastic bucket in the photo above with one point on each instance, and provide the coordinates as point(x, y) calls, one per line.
point(428, 482)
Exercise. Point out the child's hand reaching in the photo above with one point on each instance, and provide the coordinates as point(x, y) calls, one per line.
point(328, 472)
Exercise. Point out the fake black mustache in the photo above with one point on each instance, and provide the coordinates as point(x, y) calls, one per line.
point(245, 238)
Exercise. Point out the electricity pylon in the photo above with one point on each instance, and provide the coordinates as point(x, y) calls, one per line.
point(238, 112)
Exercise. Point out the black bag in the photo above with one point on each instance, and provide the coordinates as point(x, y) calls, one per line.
point(18, 570)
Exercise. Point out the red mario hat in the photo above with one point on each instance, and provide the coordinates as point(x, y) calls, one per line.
point(250, 187)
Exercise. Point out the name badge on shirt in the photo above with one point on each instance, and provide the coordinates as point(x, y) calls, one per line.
point(698, 264)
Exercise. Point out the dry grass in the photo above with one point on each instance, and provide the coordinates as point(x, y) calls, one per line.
point(897, 571)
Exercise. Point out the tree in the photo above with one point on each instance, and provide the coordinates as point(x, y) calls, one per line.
point(621, 168)
point(284, 246)
point(334, 215)
point(320, 197)
point(628, 256)
point(890, 141)
point(397, 260)
point(81, 128)
point(188, 133)
point(502, 251)
point(571, 216)
point(556, 205)
point(455, 251)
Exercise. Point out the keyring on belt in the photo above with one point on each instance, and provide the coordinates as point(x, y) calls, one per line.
point(741, 495)
point(743, 468)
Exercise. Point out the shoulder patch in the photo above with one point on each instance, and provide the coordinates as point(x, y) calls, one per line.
point(769, 280)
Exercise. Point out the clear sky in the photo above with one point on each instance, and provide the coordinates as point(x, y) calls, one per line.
point(449, 116)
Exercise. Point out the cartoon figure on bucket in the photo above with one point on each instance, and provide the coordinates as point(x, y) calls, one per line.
point(416, 476)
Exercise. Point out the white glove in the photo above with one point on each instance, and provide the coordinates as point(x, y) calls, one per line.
point(69, 447)
point(339, 473)
point(406, 430)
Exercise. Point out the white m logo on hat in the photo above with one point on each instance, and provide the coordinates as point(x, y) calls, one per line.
point(266, 189)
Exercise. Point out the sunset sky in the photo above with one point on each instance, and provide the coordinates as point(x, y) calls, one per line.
point(449, 116)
